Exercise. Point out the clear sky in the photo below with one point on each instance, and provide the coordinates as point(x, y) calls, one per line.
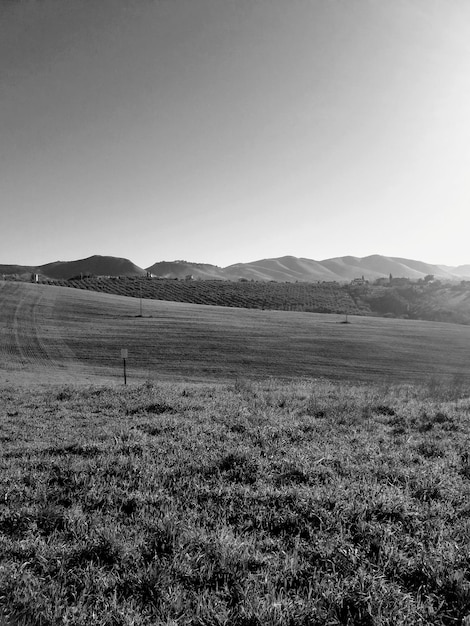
point(226, 131)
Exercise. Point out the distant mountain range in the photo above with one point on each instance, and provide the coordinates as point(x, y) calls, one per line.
point(287, 268)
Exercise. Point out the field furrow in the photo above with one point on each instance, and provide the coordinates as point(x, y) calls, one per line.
point(31, 339)
point(59, 334)
point(25, 331)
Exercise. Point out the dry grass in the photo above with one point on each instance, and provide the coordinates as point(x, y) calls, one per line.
point(55, 334)
point(308, 502)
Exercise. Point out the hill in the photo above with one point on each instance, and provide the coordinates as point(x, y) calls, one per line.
point(291, 269)
point(56, 334)
point(182, 269)
point(287, 268)
point(282, 269)
point(20, 271)
point(92, 266)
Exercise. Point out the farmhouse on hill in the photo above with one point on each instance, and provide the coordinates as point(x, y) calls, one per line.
point(359, 281)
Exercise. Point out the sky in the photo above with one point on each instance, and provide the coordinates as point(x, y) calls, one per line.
point(225, 131)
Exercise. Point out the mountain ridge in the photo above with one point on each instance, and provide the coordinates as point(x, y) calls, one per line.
point(282, 269)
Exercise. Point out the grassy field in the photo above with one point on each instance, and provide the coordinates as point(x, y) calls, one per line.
point(254, 503)
point(260, 468)
point(432, 301)
point(60, 335)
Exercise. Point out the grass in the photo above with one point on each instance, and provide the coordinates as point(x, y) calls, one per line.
point(255, 502)
point(448, 302)
point(55, 334)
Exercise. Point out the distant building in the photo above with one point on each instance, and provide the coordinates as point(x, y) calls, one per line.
point(189, 277)
point(359, 281)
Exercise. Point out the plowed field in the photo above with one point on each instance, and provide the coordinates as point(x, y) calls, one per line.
point(55, 334)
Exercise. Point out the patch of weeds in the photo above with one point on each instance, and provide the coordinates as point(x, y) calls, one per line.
point(445, 587)
point(429, 449)
point(297, 520)
point(399, 425)
point(314, 408)
point(441, 418)
point(316, 413)
point(238, 467)
point(212, 568)
point(393, 512)
point(132, 449)
point(103, 552)
point(426, 491)
point(160, 540)
point(14, 523)
point(238, 428)
point(425, 423)
point(145, 586)
point(308, 429)
point(129, 506)
point(465, 465)
point(354, 610)
point(151, 429)
point(156, 408)
point(87, 451)
point(350, 414)
point(64, 395)
point(50, 519)
point(384, 409)
point(445, 421)
point(299, 580)
point(64, 485)
point(425, 426)
point(292, 475)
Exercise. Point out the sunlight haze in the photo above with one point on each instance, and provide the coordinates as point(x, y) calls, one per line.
point(225, 131)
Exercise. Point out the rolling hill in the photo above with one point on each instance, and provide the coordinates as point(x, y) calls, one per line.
point(287, 268)
point(282, 269)
point(59, 335)
point(182, 269)
point(95, 265)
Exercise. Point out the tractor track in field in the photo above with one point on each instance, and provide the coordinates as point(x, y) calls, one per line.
point(30, 336)
point(59, 335)
point(25, 332)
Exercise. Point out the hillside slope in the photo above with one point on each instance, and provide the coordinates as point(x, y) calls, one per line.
point(287, 268)
point(94, 265)
point(55, 334)
point(292, 269)
point(20, 271)
point(182, 269)
point(281, 269)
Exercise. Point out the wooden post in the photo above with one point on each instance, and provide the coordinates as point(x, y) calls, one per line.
point(124, 355)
